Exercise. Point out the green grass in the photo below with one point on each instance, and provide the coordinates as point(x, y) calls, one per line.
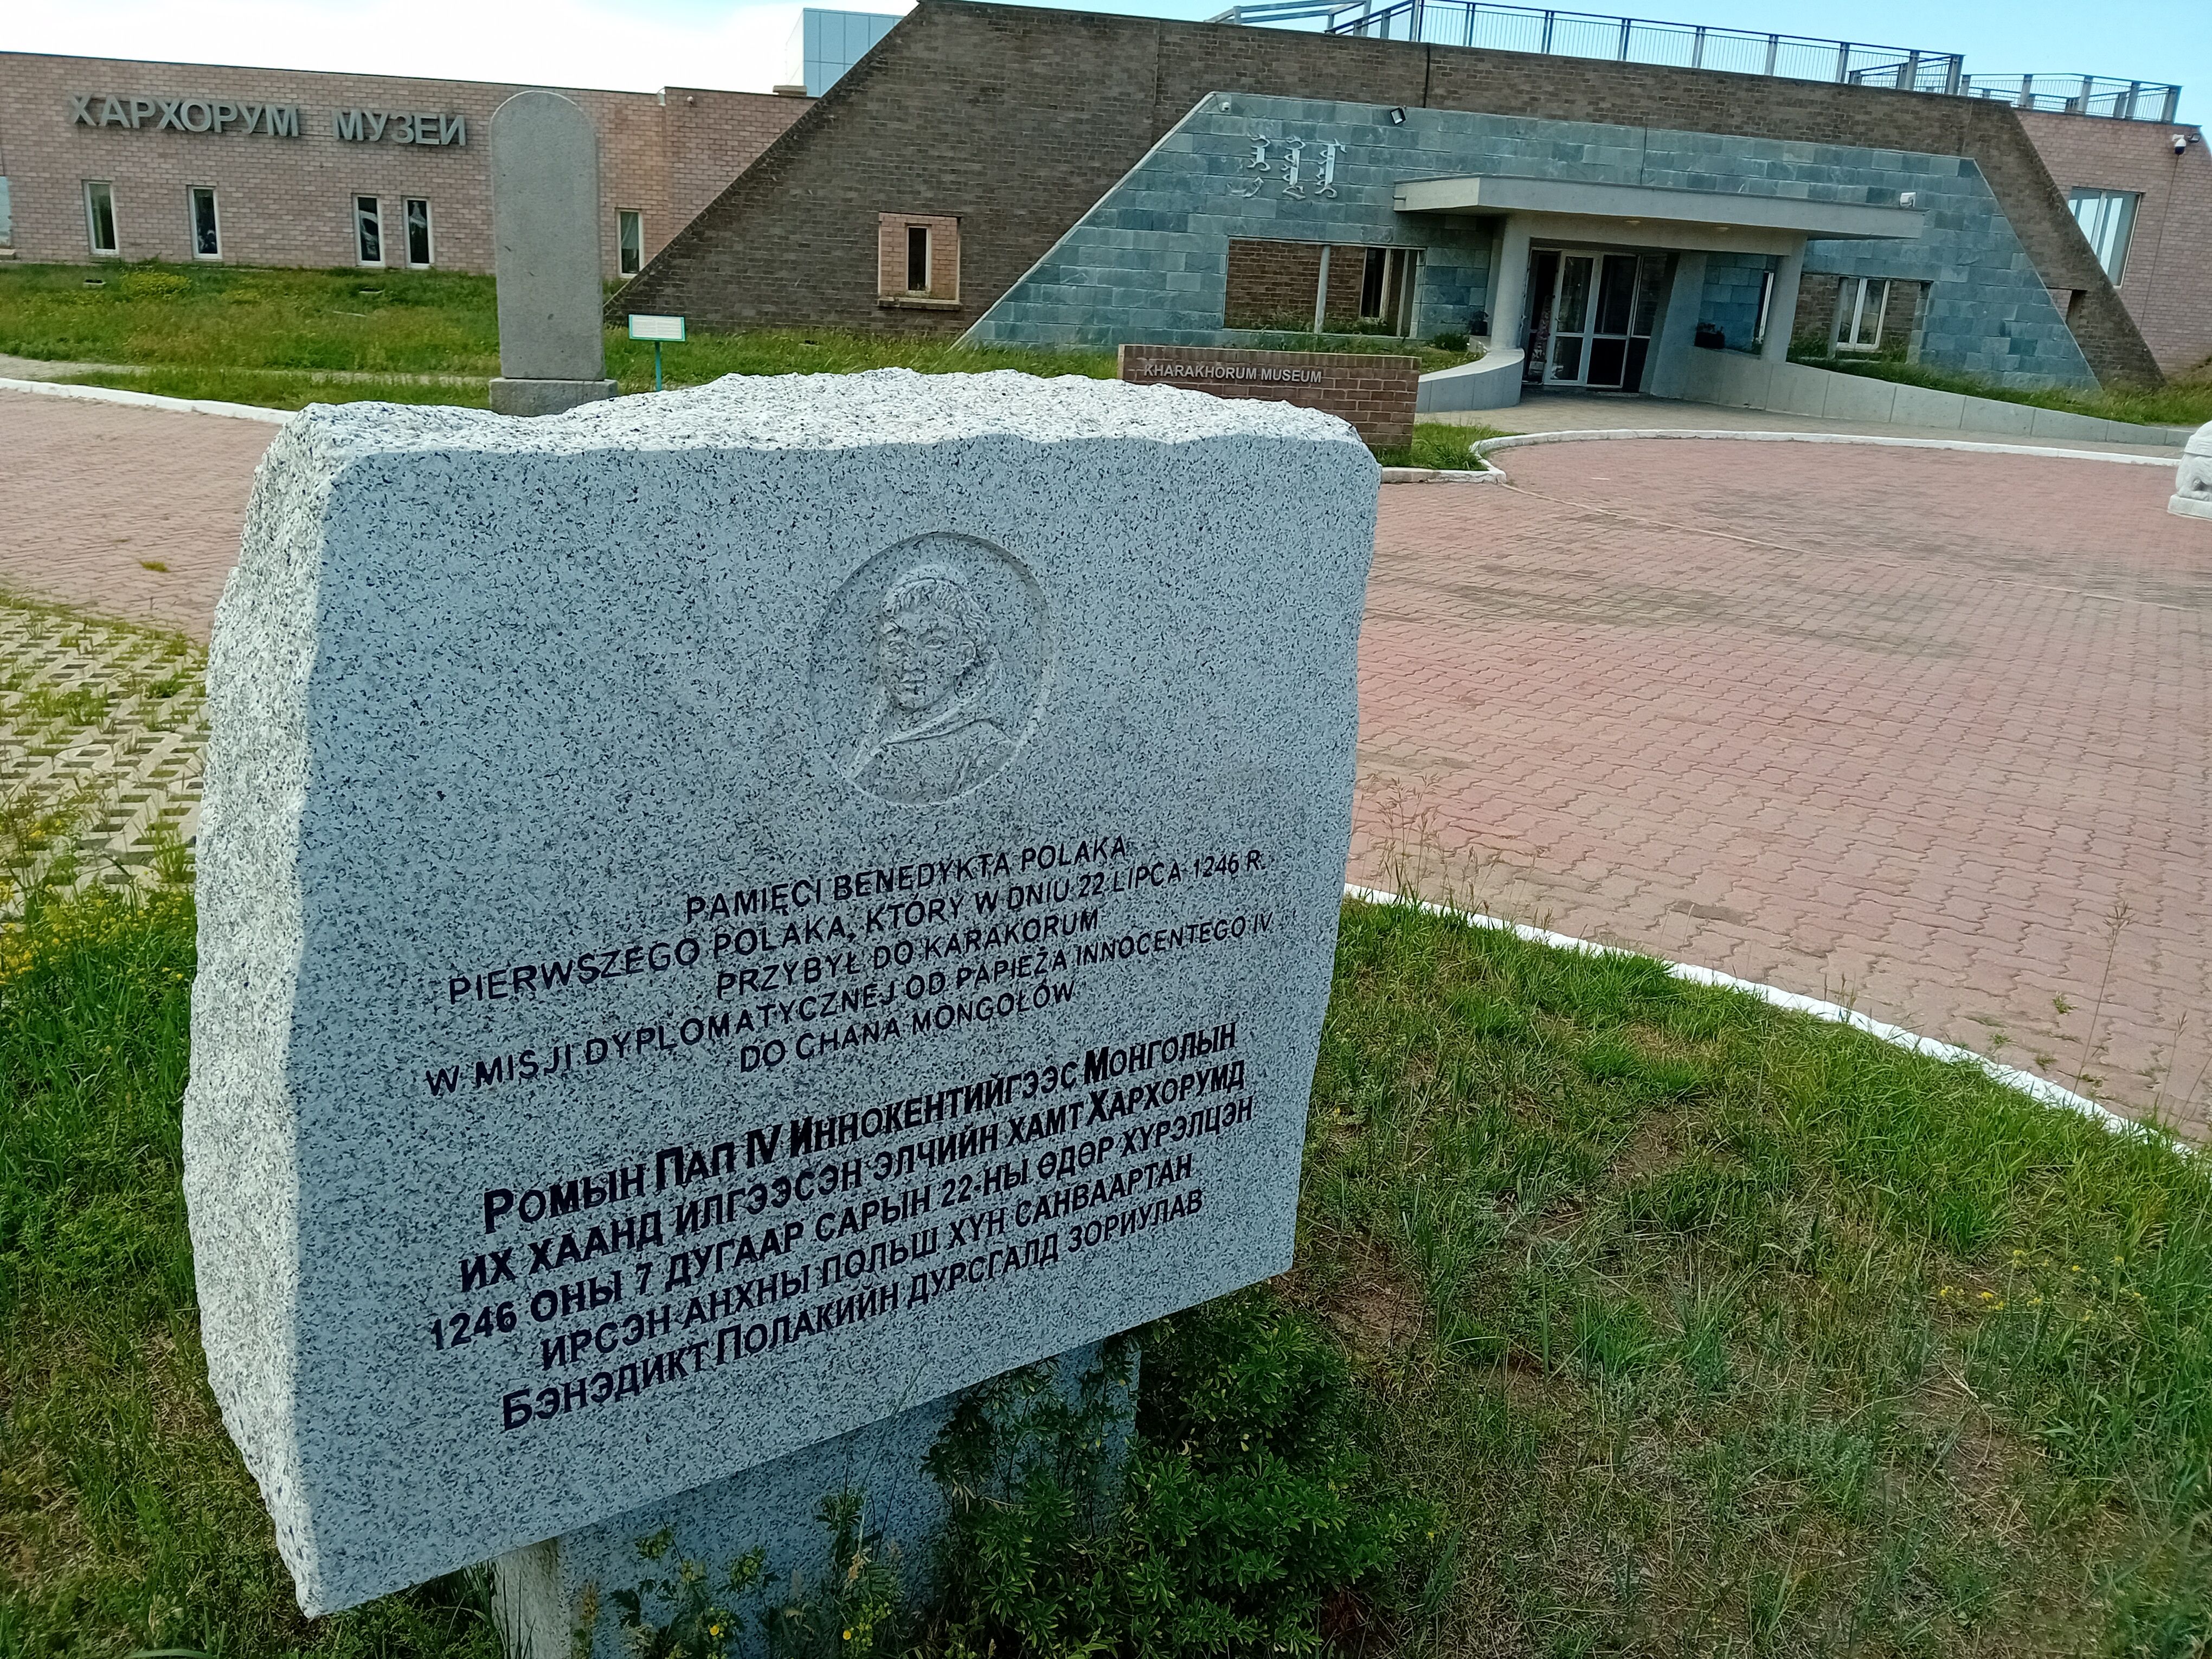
point(1716, 1329)
point(2185, 400)
point(1446, 447)
point(284, 339)
point(1698, 1326)
point(232, 318)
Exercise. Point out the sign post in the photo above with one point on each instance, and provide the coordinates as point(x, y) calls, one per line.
point(657, 330)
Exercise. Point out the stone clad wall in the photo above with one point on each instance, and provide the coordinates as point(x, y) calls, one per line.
point(1149, 261)
point(1021, 120)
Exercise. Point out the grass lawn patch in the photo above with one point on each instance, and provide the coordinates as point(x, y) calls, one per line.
point(1713, 1328)
point(2183, 400)
point(1446, 447)
point(1640, 1317)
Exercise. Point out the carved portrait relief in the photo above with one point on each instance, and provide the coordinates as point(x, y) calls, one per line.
point(930, 667)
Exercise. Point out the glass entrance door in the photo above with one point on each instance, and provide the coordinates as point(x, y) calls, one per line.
point(1602, 307)
point(1570, 318)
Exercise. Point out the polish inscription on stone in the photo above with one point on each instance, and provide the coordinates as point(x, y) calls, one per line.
point(726, 916)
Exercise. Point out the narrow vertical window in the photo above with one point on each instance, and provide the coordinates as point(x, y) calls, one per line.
point(206, 230)
point(1860, 303)
point(6, 217)
point(630, 241)
point(369, 230)
point(917, 258)
point(418, 231)
point(99, 215)
point(2107, 218)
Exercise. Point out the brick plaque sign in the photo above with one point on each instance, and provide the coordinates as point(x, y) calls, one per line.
point(1374, 392)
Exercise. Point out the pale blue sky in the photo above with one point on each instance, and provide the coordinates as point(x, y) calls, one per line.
point(647, 43)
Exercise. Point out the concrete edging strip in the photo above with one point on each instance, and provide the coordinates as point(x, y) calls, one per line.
point(108, 394)
point(2039, 1090)
point(1483, 446)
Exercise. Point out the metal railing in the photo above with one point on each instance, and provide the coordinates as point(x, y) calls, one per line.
point(2079, 95)
point(1624, 39)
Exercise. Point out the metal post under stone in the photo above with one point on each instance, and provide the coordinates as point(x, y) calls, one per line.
point(556, 1600)
point(546, 239)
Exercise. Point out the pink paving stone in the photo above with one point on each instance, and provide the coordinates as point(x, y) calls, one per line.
point(1972, 687)
point(91, 493)
point(1907, 745)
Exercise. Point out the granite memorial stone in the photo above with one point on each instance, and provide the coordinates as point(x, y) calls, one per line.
point(724, 916)
point(545, 253)
point(2192, 482)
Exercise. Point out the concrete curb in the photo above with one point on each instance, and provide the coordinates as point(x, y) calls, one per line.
point(2039, 1090)
point(108, 394)
point(1484, 446)
point(1438, 475)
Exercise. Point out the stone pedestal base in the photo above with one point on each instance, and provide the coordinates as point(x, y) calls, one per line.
point(2190, 506)
point(546, 396)
point(541, 1594)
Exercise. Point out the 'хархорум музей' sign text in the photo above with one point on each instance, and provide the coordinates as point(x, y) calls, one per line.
point(240, 118)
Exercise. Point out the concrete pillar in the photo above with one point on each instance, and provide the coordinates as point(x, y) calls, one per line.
point(1509, 284)
point(545, 250)
point(1667, 374)
point(1781, 309)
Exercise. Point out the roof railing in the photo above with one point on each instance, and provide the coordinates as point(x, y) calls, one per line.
point(2081, 94)
point(1624, 39)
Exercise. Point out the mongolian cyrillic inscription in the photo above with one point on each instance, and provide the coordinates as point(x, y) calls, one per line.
point(729, 915)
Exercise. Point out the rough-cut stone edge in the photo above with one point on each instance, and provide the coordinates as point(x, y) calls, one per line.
point(238, 1114)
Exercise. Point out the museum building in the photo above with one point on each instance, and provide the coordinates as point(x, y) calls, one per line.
point(114, 159)
point(1023, 175)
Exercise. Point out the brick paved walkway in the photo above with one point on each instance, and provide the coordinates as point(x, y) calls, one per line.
point(91, 494)
point(1907, 729)
point(1904, 728)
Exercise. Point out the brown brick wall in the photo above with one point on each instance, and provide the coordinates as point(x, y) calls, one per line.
point(290, 201)
point(2166, 282)
point(1272, 284)
point(1018, 120)
point(1373, 391)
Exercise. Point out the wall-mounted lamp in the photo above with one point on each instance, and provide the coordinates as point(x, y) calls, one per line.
point(1398, 117)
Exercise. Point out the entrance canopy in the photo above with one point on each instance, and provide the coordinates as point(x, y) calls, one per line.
point(1658, 215)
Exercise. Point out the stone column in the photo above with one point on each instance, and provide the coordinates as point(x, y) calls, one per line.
point(1668, 374)
point(1781, 309)
point(545, 240)
point(1509, 284)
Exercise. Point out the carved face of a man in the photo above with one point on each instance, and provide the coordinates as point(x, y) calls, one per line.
point(925, 650)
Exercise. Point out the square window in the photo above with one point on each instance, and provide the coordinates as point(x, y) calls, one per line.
point(630, 227)
point(206, 230)
point(418, 231)
point(369, 230)
point(99, 215)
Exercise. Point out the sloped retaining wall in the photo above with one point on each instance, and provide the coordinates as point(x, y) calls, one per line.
point(1737, 381)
